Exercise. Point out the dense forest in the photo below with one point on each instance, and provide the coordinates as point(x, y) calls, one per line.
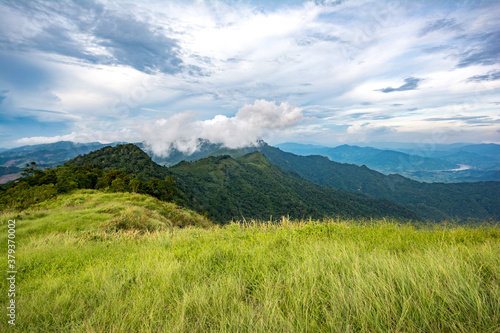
point(251, 187)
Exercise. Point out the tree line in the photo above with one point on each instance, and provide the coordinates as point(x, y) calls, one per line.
point(39, 185)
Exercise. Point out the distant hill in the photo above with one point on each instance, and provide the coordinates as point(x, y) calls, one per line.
point(248, 187)
point(9, 173)
point(462, 163)
point(431, 200)
point(45, 156)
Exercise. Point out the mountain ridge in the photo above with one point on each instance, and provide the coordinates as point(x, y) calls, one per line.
point(475, 162)
point(463, 200)
point(247, 187)
point(434, 201)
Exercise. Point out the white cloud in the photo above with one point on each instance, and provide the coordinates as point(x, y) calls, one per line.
point(250, 124)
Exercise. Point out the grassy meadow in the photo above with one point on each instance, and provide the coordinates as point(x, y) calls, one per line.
point(118, 262)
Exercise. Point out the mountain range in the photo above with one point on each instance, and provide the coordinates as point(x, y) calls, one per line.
point(13, 161)
point(436, 201)
point(248, 187)
point(260, 181)
point(452, 163)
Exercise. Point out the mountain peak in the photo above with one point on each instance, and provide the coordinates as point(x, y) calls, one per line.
point(128, 158)
point(254, 158)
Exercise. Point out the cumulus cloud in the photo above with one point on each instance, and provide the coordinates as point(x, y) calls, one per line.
point(251, 123)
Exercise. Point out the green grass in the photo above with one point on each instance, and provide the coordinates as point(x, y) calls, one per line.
point(91, 262)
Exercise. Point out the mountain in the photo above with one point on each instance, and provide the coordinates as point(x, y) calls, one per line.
point(175, 156)
point(479, 156)
point(251, 187)
point(430, 200)
point(47, 154)
point(459, 164)
point(248, 187)
point(485, 149)
point(385, 161)
point(436, 201)
point(128, 158)
point(9, 173)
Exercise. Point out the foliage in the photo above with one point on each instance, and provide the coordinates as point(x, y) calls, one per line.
point(38, 186)
point(128, 158)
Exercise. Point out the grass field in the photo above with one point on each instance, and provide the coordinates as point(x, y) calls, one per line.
point(109, 262)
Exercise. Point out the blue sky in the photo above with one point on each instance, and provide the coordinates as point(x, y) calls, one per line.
point(233, 72)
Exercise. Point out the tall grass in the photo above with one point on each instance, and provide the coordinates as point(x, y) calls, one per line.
point(334, 276)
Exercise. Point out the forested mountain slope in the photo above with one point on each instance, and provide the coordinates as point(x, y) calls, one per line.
point(247, 187)
point(431, 200)
point(251, 187)
point(128, 158)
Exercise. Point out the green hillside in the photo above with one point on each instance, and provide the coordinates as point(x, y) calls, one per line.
point(83, 210)
point(91, 261)
point(435, 201)
point(128, 158)
point(430, 200)
point(245, 188)
point(251, 187)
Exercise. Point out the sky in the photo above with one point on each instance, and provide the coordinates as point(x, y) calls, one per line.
point(234, 72)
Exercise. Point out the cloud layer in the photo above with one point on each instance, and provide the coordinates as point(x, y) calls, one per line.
point(358, 70)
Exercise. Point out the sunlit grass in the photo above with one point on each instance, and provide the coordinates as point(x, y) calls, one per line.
point(282, 276)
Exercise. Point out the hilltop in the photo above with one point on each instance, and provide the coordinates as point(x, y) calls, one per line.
point(128, 158)
point(85, 210)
